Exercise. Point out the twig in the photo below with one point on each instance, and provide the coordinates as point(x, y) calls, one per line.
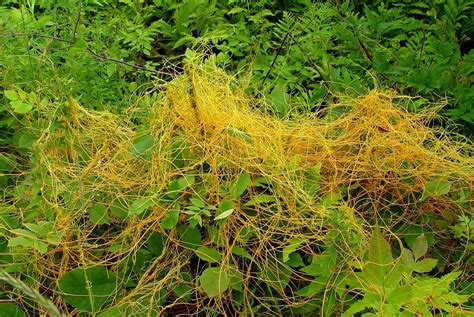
point(100, 56)
point(77, 22)
point(315, 66)
point(276, 56)
point(59, 39)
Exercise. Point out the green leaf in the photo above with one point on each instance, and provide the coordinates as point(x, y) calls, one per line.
point(140, 205)
point(407, 258)
point(241, 252)
point(420, 246)
point(21, 107)
point(214, 281)
point(380, 259)
point(425, 265)
point(224, 215)
point(142, 144)
point(190, 237)
point(171, 218)
point(11, 95)
point(379, 249)
point(208, 254)
point(291, 247)
point(241, 185)
point(87, 289)
point(156, 243)
point(41, 228)
point(11, 310)
point(198, 202)
point(395, 275)
point(400, 295)
point(436, 188)
point(98, 214)
point(280, 98)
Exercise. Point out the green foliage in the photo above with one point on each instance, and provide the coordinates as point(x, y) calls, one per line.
point(390, 286)
point(297, 56)
point(87, 289)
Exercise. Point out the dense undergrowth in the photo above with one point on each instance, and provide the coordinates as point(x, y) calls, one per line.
point(252, 158)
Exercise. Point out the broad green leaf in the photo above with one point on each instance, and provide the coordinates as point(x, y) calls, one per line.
point(214, 281)
point(241, 252)
point(395, 275)
point(241, 185)
point(425, 265)
point(41, 228)
point(400, 295)
point(142, 144)
point(98, 214)
point(208, 254)
point(280, 99)
point(186, 181)
point(87, 289)
point(407, 258)
point(190, 237)
point(224, 215)
point(380, 259)
point(21, 107)
point(357, 307)
point(291, 247)
point(236, 279)
point(436, 188)
point(11, 310)
point(379, 249)
point(226, 206)
point(276, 275)
point(295, 260)
point(171, 218)
point(140, 205)
point(11, 95)
point(317, 286)
point(420, 246)
point(198, 202)
point(26, 141)
point(156, 243)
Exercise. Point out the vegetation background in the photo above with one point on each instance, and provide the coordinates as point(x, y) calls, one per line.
point(172, 218)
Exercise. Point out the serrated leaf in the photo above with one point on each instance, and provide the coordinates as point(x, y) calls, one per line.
point(425, 265)
point(400, 295)
point(420, 246)
point(291, 247)
point(214, 281)
point(208, 254)
point(380, 258)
